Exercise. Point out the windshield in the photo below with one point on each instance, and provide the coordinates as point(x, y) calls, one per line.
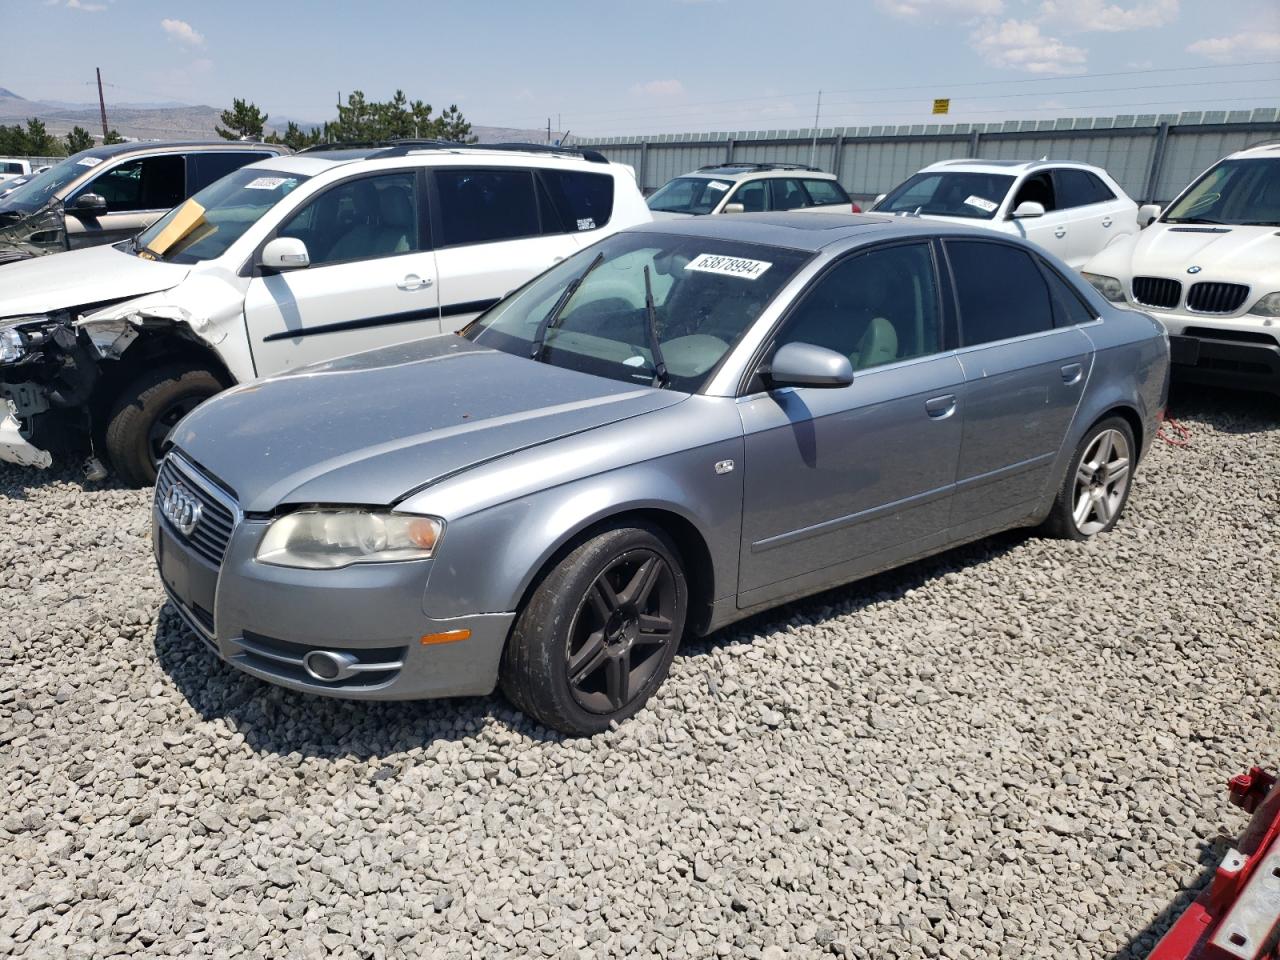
point(211, 221)
point(974, 195)
point(706, 294)
point(37, 191)
point(1240, 192)
point(696, 195)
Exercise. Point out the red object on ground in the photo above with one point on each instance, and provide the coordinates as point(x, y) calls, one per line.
point(1238, 915)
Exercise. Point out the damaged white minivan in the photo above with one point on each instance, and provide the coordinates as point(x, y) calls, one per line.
point(284, 262)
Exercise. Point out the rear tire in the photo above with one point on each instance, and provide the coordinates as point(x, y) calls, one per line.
point(598, 634)
point(145, 413)
point(1097, 484)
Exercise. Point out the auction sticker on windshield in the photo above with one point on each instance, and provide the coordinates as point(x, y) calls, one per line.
point(728, 266)
point(717, 185)
point(266, 183)
point(89, 161)
point(982, 204)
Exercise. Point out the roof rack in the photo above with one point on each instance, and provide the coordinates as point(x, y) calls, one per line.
point(404, 146)
point(745, 165)
point(1263, 143)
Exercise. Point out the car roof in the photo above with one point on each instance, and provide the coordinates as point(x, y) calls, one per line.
point(108, 151)
point(805, 232)
point(311, 163)
point(740, 171)
point(1005, 166)
point(1268, 148)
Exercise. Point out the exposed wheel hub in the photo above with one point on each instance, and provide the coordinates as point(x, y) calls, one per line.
point(622, 628)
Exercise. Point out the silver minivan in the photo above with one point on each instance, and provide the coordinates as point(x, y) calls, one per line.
point(109, 193)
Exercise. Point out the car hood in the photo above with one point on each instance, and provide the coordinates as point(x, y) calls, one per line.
point(373, 427)
point(80, 277)
point(1233, 253)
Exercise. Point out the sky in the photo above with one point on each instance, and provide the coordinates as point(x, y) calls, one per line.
point(608, 68)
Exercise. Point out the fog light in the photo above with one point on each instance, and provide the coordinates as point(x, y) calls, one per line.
point(327, 665)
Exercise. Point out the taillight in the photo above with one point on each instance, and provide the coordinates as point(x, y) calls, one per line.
point(856, 208)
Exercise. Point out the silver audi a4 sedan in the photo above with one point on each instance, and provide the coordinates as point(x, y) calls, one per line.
point(681, 425)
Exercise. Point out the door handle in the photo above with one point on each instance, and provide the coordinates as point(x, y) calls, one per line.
point(414, 282)
point(1106, 222)
point(939, 408)
point(1072, 373)
point(1060, 232)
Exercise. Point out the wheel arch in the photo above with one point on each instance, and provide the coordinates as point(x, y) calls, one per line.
point(147, 352)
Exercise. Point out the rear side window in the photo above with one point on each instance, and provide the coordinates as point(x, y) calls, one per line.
point(484, 205)
point(582, 201)
point(823, 192)
point(1068, 306)
point(206, 168)
point(1079, 188)
point(1000, 291)
point(787, 194)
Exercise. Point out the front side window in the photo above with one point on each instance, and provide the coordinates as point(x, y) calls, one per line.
point(206, 225)
point(1037, 188)
point(582, 201)
point(825, 192)
point(1239, 192)
point(485, 205)
point(1078, 188)
point(1000, 291)
point(147, 183)
point(975, 196)
point(875, 307)
point(694, 195)
point(360, 219)
point(706, 293)
point(753, 196)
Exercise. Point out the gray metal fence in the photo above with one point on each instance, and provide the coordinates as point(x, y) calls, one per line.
point(1152, 156)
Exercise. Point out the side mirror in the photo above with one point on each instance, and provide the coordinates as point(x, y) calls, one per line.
point(808, 365)
point(91, 205)
point(1027, 209)
point(876, 202)
point(734, 208)
point(285, 253)
point(1148, 213)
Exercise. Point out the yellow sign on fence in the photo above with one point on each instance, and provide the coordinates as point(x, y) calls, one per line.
point(942, 106)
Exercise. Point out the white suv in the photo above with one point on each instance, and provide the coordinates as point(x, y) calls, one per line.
point(281, 263)
point(750, 188)
point(1072, 210)
point(1209, 270)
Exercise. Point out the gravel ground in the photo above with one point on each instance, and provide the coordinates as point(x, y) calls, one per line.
point(1015, 750)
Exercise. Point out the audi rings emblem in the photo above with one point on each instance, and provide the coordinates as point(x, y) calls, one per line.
point(181, 508)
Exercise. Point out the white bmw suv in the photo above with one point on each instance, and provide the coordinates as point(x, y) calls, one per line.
point(284, 262)
point(1071, 209)
point(1209, 270)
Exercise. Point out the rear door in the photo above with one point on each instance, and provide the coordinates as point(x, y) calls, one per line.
point(138, 191)
point(371, 281)
point(1023, 376)
point(1091, 209)
point(495, 228)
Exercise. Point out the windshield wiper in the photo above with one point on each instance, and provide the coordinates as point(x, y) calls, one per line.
point(535, 348)
point(1217, 223)
point(660, 376)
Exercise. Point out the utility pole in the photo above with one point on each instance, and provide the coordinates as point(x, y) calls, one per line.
point(102, 105)
point(813, 147)
point(548, 131)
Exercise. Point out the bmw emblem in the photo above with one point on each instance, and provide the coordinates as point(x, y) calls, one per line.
point(1193, 269)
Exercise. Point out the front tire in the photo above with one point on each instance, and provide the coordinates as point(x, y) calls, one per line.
point(1097, 483)
point(145, 413)
point(598, 635)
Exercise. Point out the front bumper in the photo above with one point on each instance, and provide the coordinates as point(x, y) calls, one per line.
point(14, 447)
point(1241, 356)
point(265, 620)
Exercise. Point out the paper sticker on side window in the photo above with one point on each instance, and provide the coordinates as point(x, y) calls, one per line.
point(587, 223)
point(981, 203)
point(728, 266)
point(265, 183)
point(89, 162)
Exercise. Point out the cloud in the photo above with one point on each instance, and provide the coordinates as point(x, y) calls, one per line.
point(1237, 45)
point(658, 88)
point(1098, 15)
point(181, 31)
point(914, 9)
point(1019, 45)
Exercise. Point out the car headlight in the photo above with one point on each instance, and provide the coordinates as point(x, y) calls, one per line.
point(1109, 287)
point(12, 345)
point(1268, 306)
point(329, 539)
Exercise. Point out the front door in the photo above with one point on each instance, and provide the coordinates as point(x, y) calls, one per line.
point(839, 482)
point(490, 238)
point(138, 192)
point(1052, 230)
point(371, 281)
point(1023, 382)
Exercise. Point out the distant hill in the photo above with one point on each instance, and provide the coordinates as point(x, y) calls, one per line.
point(176, 121)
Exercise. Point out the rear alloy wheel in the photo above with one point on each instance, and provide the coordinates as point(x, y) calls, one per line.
point(1097, 486)
point(599, 633)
